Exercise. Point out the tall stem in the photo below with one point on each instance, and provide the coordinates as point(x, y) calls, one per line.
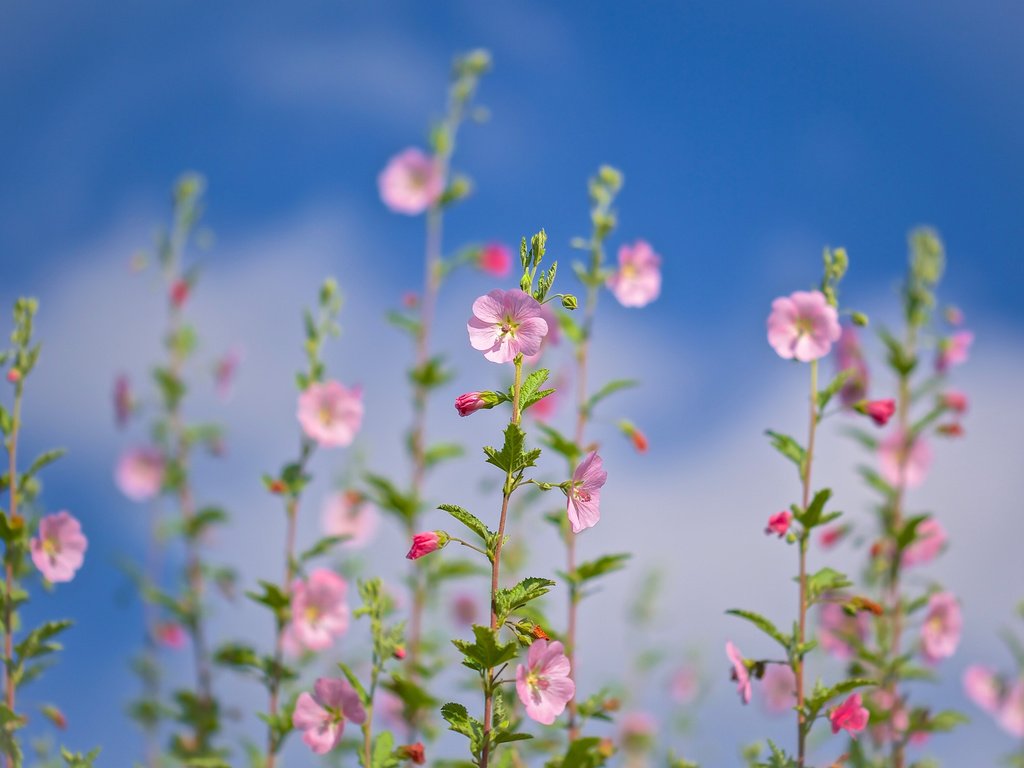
point(801, 721)
point(12, 478)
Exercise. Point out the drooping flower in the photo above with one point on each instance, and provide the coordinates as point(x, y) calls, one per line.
point(803, 325)
point(544, 684)
point(124, 401)
point(637, 282)
point(929, 541)
point(506, 324)
point(953, 350)
point(59, 548)
point(140, 473)
point(779, 523)
point(350, 513)
point(779, 688)
point(411, 182)
point(495, 259)
point(851, 716)
point(321, 715)
point(584, 504)
point(840, 633)
point(471, 402)
point(330, 414)
point(943, 623)
point(880, 411)
point(902, 465)
point(955, 401)
point(850, 357)
point(426, 542)
point(319, 611)
point(983, 686)
point(1011, 711)
point(740, 673)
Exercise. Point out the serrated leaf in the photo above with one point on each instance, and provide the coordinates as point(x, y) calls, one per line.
point(616, 385)
point(788, 447)
point(468, 519)
point(513, 598)
point(764, 624)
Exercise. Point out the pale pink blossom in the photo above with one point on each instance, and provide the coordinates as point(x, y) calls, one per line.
point(506, 324)
point(637, 282)
point(584, 504)
point(319, 611)
point(851, 716)
point(779, 523)
point(740, 673)
point(803, 325)
point(495, 259)
point(59, 548)
point(929, 541)
point(684, 685)
point(124, 400)
point(545, 408)
point(902, 465)
point(983, 687)
point(1011, 711)
point(778, 687)
point(850, 357)
point(426, 542)
point(140, 473)
point(840, 633)
point(953, 350)
point(321, 715)
point(411, 182)
point(330, 414)
point(943, 623)
point(350, 513)
point(544, 684)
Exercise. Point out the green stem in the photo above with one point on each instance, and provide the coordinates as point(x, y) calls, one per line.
point(802, 725)
point(9, 581)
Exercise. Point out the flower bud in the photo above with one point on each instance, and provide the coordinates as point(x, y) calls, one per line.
point(569, 302)
point(427, 542)
point(399, 652)
point(859, 319)
point(413, 752)
point(14, 376)
point(471, 402)
point(880, 411)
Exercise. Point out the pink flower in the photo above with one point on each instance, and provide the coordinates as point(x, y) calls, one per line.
point(224, 371)
point(851, 716)
point(495, 259)
point(839, 632)
point(584, 505)
point(506, 324)
point(850, 357)
point(124, 402)
point(779, 688)
point(953, 350)
point(319, 612)
point(833, 535)
point(779, 523)
point(411, 182)
point(880, 411)
point(638, 730)
point(638, 279)
point(425, 543)
point(59, 549)
point(545, 408)
point(928, 543)
point(955, 401)
point(983, 687)
point(464, 609)
point(170, 634)
point(321, 716)
point(180, 290)
point(904, 465)
point(351, 514)
point(943, 623)
point(1011, 711)
point(543, 683)
point(140, 473)
point(471, 402)
point(740, 673)
point(685, 685)
point(803, 326)
point(330, 414)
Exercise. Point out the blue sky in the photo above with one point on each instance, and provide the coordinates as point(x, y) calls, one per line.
point(751, 134)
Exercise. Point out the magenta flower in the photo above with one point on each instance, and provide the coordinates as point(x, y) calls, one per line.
point(351, 514)
point(953, 350)
point(740, 673)
point(880, 411)
point(638, 279)
point(1011, 711)
point(803, 325)
point(850, 357)
point(584, 505)
point(425, 543)
point(943, 623)
point(59, 549)
point(506, 324)
point(543, 683)
point(983, 687)
point(330, 414)
point(471, 402)
point(840, 633)
point(495, 259)
point(778, 688)
point(321, 716)
point(779, 523)
point(928, 543)
point(140, 473)
point(124, 401)
point(411, 182)
point(851, 716)
point(903, 465)
point(319, 611)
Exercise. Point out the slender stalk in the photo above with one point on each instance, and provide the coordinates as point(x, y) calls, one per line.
point(368, 723)
point(12, 478)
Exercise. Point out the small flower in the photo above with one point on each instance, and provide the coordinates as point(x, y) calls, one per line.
point(955, 401)
point(543, 683)
point(319, 612)
point(1011, 711)
point(832, 535)
point(840, 633)
point(779, 523)
point(850, 357)
point(684, 685)
point(140, 473)
point(851, 716)
point(495, 259)
point(14, 376)
point(425, 543)
point(880, 411)
point(411, 182)
point(410, 300)
point(471, 402)
point(506, 324)
point(740, 673)
point(59, 549)
point(779, 688)
point(929, 541)
point(330, 414)
point(584, 505)
point(180, 289)
point(638, 279)
point(170, 634)
point(413, 752)
point(953, 350)
point(399, 652)
point(224, 372)
point(638, 438)
point(124, 402)
point(904, 465)
point(983, 687)
point(321, 715)
point(803, 325)
point(943, 623)
point(351, 514)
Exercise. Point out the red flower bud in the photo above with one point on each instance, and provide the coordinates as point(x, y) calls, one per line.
point(413, 753)
point(880, 411)
point(179, 292)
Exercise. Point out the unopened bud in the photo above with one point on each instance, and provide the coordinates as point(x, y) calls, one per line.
point(14, 376)
point(570, 302)
point(399, 652)
point(859, 319)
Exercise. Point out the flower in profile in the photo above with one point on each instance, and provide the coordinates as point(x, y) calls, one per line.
point(59, 548)
point(955, 401)
point(140, 473)
point(778, 687)
point(330, 414)
point(350, 513)
point(779, 523)
point(495, 259)
point(929, 541)
point(740, 672)
point(321, 715)
point(584, 504)
point(1011, 711)
point(943, 623)
point(319, 611)
point(904, 465)
point(803, 325)
point(411, 182)
point(840, 633)
point(471, 402)
point(953, 350)
point(880, 411)
point(850, 716)
point(983, 686)
point(425, 543)
point(637, 282)
point(506, 324)
point(543, 683)
point(124, 400)
point(170, 634)
point(850, 357)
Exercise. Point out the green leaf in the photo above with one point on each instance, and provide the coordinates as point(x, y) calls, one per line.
point(826, 395)
point(459, 720)
point(272, 596)
point(435, 454)
point(820, 697)
point(530, 386)
point(355, 682)
point(616, 385)
point(513, 598)
point(788, 447)
point(322, 546)
point(825, 580)
point(381, 756)
point(559, 443)
point(404, 322)
point(764, 625)
point(593, 569)
point(403, 505)
point(44, 459)
point(487, 651)
point(812, 516)
point(471, 521)
point(203, 519)
point(37, 642)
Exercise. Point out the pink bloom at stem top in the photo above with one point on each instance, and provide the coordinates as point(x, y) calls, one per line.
point(59, 548)
point(319, 611)
point(506, 324)
point(426, 542)
point(350, 513)
point(330, 414)
point(902, 464)
point(411, 182)
point(584, 504)
point(637, 282)
point(740, 673)
point(544, 684)
point(140, 473)
point(321, 715)
point(851, 716)
point(943, 623)
point(803, 326)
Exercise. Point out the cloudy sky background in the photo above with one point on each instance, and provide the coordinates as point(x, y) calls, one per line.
point(750, 137)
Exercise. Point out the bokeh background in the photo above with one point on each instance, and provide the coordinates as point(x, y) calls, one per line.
point(750, 133)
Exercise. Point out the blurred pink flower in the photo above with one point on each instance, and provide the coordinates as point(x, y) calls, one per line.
point(954, 315)
point(140, 473)
point(953, 350)
point(839, 632)
point(928, 543)
point(584, 505)
point(740, 673)
point(1011, 711)
point(124, 401)
point(850, 357)
point(495, 259)
point(638, 279)
point(851, 716)
point(983, 687)
point(803, 325)
point(943, 623)
point(59, 549)
point(506, 324)
point(411, 182)
point(902, 465)
point(880, 411)
point(778, 688)
point(684, 686)
point(170, 634)
point(464, 609)
point(180, 290)
point(321, 716)
point(955, 401)
point(543, 683)
point(426, 542)
point(471, 402)
point(779, 523)
point(224, 371)
point(330, 414)
point(545, 408)
point(831, 536)
point(350, 513)
point(319, 612)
